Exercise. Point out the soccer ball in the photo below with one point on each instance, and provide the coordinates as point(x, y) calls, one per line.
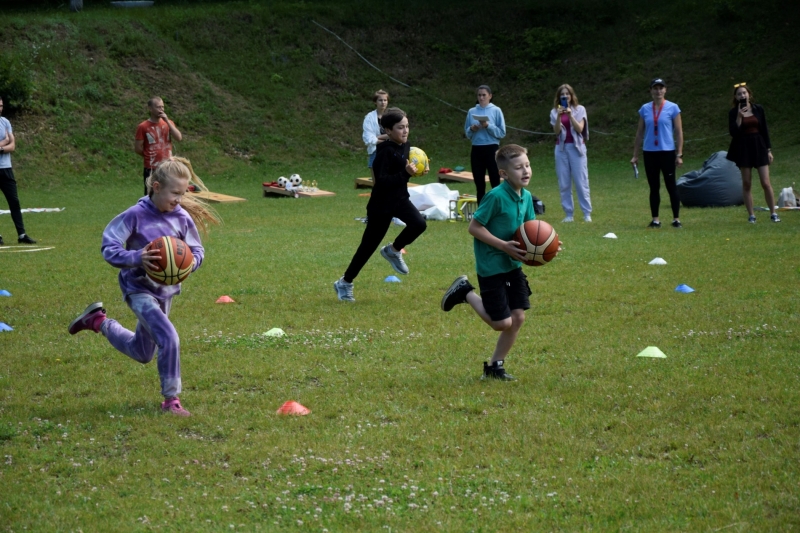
point(282, 181)
point(418, 158)
point(296, 179)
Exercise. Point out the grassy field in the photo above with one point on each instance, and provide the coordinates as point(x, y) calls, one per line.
point(403, 435)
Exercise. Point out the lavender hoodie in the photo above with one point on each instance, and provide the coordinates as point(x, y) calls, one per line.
point(126, 236)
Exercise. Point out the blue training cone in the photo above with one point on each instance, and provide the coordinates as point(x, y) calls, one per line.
point(5, 327)
point(4, 293)
point(684, 288)
point(392, 279)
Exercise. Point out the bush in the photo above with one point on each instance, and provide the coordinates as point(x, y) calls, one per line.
point(15, 82)
point(543, 44)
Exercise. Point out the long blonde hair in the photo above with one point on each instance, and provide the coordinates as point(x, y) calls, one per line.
point(179, 167)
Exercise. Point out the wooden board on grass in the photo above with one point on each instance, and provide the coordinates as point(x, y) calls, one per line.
point(461, 177)
point(300, 194)
point(367, 183)
point(217, 197)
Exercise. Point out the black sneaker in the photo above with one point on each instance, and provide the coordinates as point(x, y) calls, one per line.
point(496, 371)
point(677, 224)
point(654, 224)
point(1, 240)
point(24, 239)
point(457, 293)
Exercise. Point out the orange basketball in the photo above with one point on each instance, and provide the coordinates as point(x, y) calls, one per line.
point(175, 263)
point(539, 241)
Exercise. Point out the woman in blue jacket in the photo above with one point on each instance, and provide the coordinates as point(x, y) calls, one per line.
point(485, 126)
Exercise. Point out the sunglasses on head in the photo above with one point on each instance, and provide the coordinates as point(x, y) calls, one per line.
point(743, 84)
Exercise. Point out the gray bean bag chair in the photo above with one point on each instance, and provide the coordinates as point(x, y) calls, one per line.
point(717, 184)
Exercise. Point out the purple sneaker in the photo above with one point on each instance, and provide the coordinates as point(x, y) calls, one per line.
point(173, 405)
point(91, 318)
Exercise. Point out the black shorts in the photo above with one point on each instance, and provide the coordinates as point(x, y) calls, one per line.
point(503, 292)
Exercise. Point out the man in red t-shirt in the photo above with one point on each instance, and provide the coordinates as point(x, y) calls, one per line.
point(154, 137)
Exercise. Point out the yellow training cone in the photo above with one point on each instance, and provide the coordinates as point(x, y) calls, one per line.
point(652, 351)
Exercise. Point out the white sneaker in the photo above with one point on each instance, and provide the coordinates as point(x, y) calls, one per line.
point(395, 259)
point(568, 219)
point(397, 222)
point(587, 218)
point(344, 290)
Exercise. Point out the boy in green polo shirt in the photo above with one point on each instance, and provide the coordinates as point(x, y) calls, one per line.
point(504, 287)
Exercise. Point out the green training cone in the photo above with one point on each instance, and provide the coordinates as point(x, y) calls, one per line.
point(652, 351)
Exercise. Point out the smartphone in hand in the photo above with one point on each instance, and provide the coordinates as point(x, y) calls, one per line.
point(564, 102)
point(742, 103)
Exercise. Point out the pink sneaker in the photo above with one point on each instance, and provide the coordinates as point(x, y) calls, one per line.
point(173, 405)
point(91, 318)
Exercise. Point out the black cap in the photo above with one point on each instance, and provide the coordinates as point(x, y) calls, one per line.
point(657, 81)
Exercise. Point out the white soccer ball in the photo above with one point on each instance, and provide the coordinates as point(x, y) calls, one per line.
point(295, 179)
point(282, 181)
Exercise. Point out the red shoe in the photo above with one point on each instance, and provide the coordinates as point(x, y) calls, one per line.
point(173, 405)
point(91, 318)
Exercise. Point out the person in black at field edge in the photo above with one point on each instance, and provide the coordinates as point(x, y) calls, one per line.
point(750, 147)
point(7, 182)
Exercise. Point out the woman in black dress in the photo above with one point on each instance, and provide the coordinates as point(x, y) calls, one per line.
point(750, 147)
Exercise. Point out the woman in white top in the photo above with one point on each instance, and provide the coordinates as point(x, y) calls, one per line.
point(373, 132)
point(571, 127)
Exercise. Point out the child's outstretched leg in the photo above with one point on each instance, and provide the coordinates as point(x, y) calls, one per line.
point(153, 330)
point(92, 318)
point(462, 291)
point(415, 226)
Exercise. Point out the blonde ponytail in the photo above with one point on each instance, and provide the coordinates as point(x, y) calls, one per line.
point(202, 214)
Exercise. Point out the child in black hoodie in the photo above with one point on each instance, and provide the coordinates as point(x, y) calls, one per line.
point(389, 199)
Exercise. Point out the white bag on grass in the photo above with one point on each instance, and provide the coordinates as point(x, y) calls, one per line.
point(433, 200)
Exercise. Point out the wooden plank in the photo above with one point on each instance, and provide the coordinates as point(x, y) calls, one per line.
point(367, 183)
point(300, 194)
point(461, 177)
point(216, 197)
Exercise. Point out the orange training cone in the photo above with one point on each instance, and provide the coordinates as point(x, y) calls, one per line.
point(293, 408)
point(225, 300)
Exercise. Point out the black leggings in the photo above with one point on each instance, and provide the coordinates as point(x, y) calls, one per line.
point(378, 221)
point(661, 162)
point(482, 159)
point(145, 175)
point(9, 187)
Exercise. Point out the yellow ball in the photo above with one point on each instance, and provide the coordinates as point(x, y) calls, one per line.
point(418, 158)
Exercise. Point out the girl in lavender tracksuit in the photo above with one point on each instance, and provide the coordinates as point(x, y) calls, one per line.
point(165, 212)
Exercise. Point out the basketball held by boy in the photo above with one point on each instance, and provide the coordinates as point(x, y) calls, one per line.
point(504, 290)
point(165, 212)
point(389, 200)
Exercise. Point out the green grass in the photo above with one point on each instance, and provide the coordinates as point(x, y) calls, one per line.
point(590, 437)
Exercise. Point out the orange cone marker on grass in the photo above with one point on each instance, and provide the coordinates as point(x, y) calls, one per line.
point(293, 408)
point(225, 300)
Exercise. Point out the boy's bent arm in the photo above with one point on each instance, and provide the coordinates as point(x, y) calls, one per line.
point(479, 231)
